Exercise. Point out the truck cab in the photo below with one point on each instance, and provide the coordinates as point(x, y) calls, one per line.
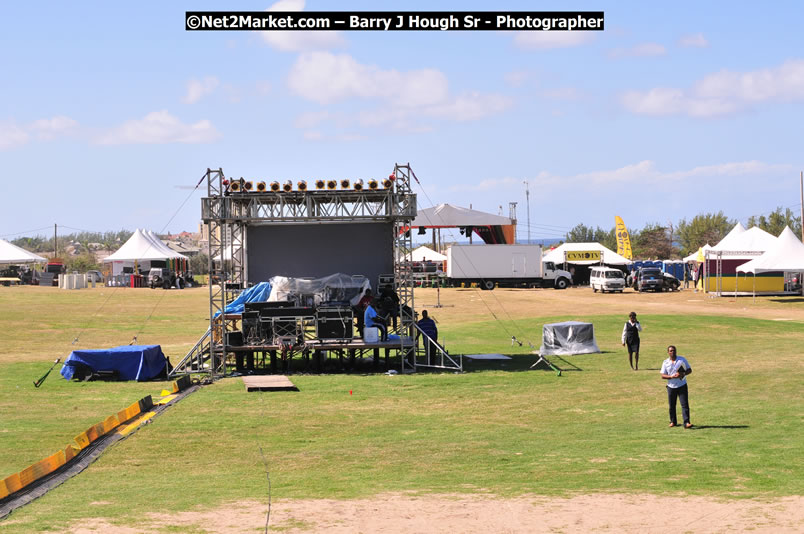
point(560, 278)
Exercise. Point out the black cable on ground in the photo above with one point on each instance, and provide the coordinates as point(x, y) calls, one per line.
point(82, 460)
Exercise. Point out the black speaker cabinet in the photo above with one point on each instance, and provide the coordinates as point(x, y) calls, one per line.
point(334, 323)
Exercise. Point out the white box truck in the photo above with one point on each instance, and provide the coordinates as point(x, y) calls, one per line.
point(503, 265)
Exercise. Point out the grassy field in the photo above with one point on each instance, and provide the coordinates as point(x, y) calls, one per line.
point(495, 429)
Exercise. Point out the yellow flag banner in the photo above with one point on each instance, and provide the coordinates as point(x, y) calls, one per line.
point(583, 255)
point(623, 241)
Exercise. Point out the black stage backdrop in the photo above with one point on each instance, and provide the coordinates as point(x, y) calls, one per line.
point(316, 250)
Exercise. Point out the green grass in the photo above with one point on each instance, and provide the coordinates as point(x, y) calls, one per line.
point(497, 428)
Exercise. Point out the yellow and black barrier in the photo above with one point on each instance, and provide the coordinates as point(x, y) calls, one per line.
point(18, 481)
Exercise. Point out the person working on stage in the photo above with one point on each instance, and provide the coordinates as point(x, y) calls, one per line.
point(360, 309)
point(372, 318)
point(428, 326)
point(630, 337)
point(675, 369)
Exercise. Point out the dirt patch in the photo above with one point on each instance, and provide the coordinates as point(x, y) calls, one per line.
point(481, 514)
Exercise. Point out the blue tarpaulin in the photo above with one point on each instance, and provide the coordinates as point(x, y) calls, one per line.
point(257, 293)
point(132, 362)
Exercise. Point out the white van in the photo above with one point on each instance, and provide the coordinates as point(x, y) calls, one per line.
point(606, 279)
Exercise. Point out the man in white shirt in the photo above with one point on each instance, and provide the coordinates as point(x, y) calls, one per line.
point(675, 369)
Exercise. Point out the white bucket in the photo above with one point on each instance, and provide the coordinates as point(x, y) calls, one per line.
point(371, 334)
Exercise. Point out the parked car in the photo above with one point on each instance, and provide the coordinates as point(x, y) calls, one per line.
point(671, 283)
point(606, 279)
point(649, 279)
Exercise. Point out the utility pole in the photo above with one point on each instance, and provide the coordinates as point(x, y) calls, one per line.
point(55, 240)
point(527, 203)
point(801, 189)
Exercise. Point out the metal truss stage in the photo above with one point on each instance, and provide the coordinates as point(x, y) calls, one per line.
point(236, 211)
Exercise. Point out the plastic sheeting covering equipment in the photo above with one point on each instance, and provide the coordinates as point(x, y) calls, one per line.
point(132, 362)
point(314, 291)
point(569, 337)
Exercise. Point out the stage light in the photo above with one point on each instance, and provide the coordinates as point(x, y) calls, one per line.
point(345, 183)
point(301, 185)
point(422, 231)
point(261, 186)
point(332, 184)
point(372, 184)
point(387, 183)
point(287, 187)
point(319, 184)
point(235, 187)
point(225, 182)
point(358, 185)
point(248, 186)
point(392, 177)
point(275, 186)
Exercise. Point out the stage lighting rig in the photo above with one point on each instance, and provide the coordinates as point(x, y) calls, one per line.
point(345, 183)
point(332, 184)
point(301, 185)
point(275, 187)
point(287, 187)
point(248, 186)
point(261, 186)
point(372, 184)
point(320, 184)
point(358, 185)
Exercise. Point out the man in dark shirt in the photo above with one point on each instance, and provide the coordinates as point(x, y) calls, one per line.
point(428, 326)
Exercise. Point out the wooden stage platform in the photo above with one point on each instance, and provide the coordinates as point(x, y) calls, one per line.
point(269, 383)
point(275, 358)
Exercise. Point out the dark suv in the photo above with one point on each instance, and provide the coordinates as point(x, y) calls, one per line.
point(650, 278)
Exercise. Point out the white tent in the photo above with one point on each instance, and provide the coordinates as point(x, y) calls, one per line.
point(609, 256)
point(731, 237)
point(142, 247)
point(425, 254)
point(447, 216)
point(13, 254)
point(786, 254)
point(701, 250)
point(752, 241)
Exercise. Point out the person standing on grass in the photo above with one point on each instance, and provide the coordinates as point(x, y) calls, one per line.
point(630, 338)
point(675, 369)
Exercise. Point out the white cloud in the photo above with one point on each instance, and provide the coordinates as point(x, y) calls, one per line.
point(696, 40)
point(640, 50)
point(542, 40)
point(197, 89)
point(12, 136)
point(300, 41)
point(722, 93)
point(325, 78)
point(160, 127)
point(51, 128)
point(469, 106)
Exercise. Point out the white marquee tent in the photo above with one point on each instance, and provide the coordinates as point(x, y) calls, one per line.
point(609, 256)
point(753, 240)
point(701, 252)
point(142, 247)
point(424, 253)
point(12, 254)
point(786, 254)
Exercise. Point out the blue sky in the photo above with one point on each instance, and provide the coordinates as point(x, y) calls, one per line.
point(111, 111)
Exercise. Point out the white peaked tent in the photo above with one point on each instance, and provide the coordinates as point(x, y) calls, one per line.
point(609, 256)
point(143, 247)
point(425, 254)
point(753, 240)
point(12, 254)
point(701, 250)
point(786, 254)
point(731, 238)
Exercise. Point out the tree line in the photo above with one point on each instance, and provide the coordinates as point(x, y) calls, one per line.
point(657, 241)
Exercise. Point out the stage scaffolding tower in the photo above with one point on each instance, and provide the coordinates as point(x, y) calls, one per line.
point(228, 214)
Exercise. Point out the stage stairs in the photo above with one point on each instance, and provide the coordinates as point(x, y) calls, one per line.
point(196, 360)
